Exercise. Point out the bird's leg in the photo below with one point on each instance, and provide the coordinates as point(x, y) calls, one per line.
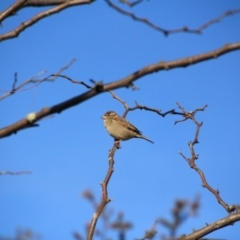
point(117, 143)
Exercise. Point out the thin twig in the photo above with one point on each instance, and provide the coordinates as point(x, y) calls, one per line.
point(131, 4)
point(34, 81)
point(121, 101)
point(71, 80)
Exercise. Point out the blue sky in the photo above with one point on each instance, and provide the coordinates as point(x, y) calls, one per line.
point(68, 153)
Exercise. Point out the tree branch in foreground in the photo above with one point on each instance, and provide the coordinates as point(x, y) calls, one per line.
point(124, 82)
point(179, 30)
point(18, 5)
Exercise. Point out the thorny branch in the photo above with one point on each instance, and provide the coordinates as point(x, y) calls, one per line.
point(192, 160)
point(124, 82)
point(179, 30)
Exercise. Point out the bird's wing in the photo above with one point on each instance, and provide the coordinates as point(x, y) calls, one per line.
point(131, 127)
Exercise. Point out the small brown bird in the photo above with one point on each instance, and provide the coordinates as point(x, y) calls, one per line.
point(119, 128)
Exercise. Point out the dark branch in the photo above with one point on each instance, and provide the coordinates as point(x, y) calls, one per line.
point(178, 30)
point(36, 18)
point(124, 82)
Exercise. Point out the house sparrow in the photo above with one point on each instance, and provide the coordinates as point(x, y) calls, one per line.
point(119, 128)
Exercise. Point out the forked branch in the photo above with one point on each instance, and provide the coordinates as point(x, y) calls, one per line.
point(192, 160)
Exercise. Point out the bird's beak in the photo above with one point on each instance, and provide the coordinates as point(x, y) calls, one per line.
point(103, 117)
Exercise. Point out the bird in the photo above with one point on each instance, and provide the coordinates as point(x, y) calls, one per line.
point(119, 128)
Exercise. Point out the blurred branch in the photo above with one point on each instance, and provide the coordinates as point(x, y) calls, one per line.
point(22, 234)
point(19, 4)
point(181, 211)
point(131, 4)
point(35, 81)
point(14, 173)
point(124, 82)
point(179, 30)
point(149, 234)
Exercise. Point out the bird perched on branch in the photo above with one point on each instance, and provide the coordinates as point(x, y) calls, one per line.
point(119, 128)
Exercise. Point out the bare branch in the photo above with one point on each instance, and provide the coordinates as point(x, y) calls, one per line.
point(12, 9)
point(184, 62)
point(71, 80)
point(43, 3)
point(39, 16)
point(124, 82)
point(120, 100)
point(144, 20)
point(179, 30)
point(131, 4)
point(14, 173)
point(34, 81)
point(218, 19)
point(158, 111)
point(105, 198)
point(194, 157)
point(229, 220)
